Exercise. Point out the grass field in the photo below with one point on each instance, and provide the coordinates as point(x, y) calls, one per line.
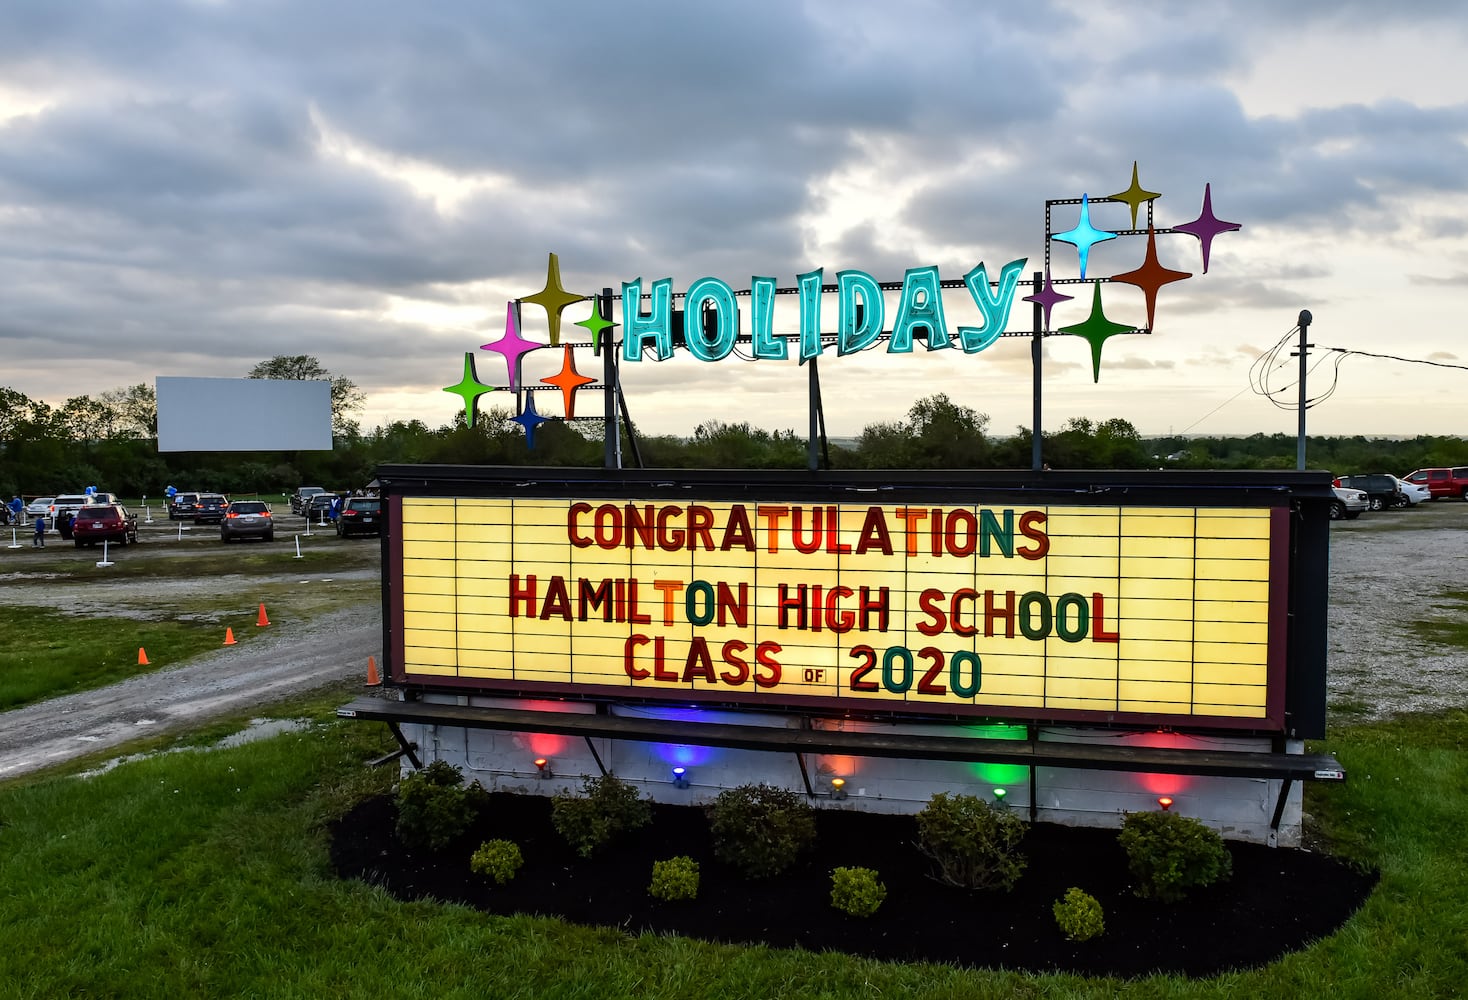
point(205, 874)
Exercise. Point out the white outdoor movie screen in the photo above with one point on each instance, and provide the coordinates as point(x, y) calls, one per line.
point(243, 414)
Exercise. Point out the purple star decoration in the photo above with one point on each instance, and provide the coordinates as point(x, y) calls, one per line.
point(1048, 298)
point(512, 346)
point(1207, 225)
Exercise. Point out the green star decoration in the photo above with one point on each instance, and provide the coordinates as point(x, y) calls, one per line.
point(1096, 329)
point(553, 298)
point(595, 324)
point(1136, 195)
point(470, 388)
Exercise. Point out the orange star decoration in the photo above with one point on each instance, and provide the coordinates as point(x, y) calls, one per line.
point(553, 298)
point(568, 380)
point(1151, 276)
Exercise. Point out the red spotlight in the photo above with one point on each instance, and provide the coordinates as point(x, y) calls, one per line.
point(543, 767)
point(1165, 802)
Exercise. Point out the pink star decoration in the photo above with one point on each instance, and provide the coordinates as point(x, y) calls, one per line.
point(512, 346)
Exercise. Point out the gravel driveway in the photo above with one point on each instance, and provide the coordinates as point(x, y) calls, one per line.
point(1388, 570)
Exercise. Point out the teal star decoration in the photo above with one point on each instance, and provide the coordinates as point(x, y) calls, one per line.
point(529, 419)
point(553, 298)
point(595, 325)
point(1084, 235)
point(470, 388)
point(1096, 329)
point(1136, 195)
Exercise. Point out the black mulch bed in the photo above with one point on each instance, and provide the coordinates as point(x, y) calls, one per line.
point(1278, 900)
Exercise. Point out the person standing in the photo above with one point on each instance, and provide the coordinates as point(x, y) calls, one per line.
point(40, 540)
point(17, 510)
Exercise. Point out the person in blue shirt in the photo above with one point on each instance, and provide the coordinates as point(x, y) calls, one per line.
point(17, 510)
point(40, 540)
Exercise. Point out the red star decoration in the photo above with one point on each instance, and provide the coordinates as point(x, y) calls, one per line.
point(1151, 276)
point(568, 380)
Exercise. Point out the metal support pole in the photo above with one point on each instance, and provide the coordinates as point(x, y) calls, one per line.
point(1036, 460)
point(812, 453)
point(1305, 319)
point(611, 433)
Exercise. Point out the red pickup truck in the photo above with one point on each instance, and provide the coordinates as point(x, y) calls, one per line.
point(1442, 482)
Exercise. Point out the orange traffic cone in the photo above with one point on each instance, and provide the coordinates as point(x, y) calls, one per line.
point(229, 637)
point(372, 679)
point(262, 620)
point(142, 657)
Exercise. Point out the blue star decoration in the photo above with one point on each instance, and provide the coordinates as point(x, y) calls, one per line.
point(1084, 235)
point(529, 419)
point(470, 388)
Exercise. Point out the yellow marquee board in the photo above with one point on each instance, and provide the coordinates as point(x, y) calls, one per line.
point(1102, 613)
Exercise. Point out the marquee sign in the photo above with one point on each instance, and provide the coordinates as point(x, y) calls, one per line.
point(1055, 607)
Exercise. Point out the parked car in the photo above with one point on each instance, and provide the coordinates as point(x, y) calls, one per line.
point(182, 506)
point(247, 519)
point(361, 516)
point(1414, 492)
point(1442, 482)
point(318, 506)
point(67, 503)
point(209, 508)
point(39, 507)
point(104, 521)
point(1348, 503)
point(302, 497)
point(1380, 487)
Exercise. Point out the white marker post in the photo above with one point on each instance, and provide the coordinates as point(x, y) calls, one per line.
point(298, 546)
point(104, 561)
point(147, 512)
point(14, 543)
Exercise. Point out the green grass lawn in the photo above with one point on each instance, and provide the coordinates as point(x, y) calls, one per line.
point(205, 873)
point(47, 653)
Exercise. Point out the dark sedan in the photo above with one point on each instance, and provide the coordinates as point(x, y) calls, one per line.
point(209, 508)
point(104, 522)
point(360, 516)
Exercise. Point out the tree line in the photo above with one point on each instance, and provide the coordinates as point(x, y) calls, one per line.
point(110, 441)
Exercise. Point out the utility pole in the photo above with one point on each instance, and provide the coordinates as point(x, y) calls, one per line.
point(1304, 324)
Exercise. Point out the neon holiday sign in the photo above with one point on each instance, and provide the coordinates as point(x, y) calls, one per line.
point(710, 318)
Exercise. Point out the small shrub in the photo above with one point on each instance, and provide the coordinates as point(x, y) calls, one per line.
point(975, 845)
point(759, 829)
point(1078, 915)
point(856, 891)
point(606, 807)
point(1169, 853)
point(434, 807)
point(498, 859)
point(676, 878)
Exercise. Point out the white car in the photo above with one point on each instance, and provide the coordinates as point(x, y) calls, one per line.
point(1348, 503)
point(1414, 492)
point(39, 507)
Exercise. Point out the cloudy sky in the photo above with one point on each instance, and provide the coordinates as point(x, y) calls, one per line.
point(187, 188)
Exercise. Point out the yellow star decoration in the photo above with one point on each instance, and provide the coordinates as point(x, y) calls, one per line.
point(1136, 195)
point(553, 298)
